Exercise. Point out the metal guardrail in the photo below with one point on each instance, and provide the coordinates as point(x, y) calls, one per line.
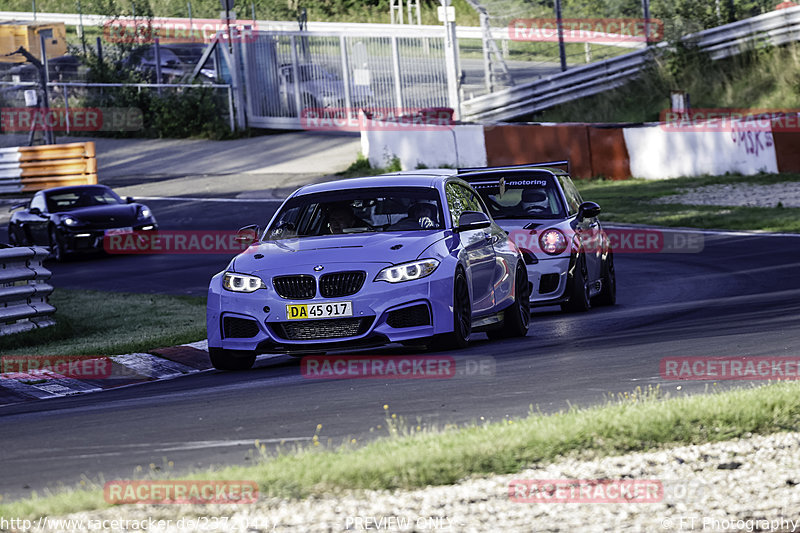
point(776, 28)
point(24, 290)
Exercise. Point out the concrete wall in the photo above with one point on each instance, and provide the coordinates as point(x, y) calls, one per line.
point(656, 153)
point(454, 146)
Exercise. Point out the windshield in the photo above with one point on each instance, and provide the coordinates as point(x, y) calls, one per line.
point(358, 211)
point(81, 197)
point(516, 196)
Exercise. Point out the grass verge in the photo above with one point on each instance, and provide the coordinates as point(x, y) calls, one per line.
point(631, 201)
point(416, 458)
point(104, 323)
point(362, 167)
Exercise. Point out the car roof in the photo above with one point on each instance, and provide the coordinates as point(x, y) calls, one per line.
point(409, 178)
point(73, 187)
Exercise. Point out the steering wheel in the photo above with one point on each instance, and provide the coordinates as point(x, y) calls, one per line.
point(535, 209)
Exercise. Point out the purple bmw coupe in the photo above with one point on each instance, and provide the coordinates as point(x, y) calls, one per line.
point(412, 257)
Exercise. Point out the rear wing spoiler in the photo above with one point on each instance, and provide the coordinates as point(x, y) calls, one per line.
point(564, 163)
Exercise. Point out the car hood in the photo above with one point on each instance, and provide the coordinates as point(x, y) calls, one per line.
point(123, 214)
point(386, 248)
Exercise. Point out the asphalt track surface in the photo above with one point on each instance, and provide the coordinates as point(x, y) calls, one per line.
point(739, 297)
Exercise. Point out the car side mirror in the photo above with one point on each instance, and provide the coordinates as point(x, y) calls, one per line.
point(470, 220)
point(129, 199)
point(247, 235)
point(588, 210)
point(35, 211)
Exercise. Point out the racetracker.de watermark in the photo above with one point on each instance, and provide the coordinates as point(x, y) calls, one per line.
point(619, 240)
point(24, 119)
point(731, 120)
point(381, 119)
point(177, 242)
point(588, 30)
point(586, 491)
point(180, 492)
point(36, 367)
point(395, 367)
point(730, 368)
point(177, 30)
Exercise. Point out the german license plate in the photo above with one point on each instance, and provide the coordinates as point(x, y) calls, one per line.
point(321, 310)
point(119, 231)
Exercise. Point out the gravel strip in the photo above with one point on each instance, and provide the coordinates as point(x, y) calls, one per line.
point(740, 194)
point(748, 484)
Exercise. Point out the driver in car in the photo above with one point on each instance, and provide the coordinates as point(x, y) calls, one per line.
point(341, 217)
point(534, 202)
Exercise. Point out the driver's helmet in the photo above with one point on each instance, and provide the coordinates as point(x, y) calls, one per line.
point(424, 214)
point(535, 198)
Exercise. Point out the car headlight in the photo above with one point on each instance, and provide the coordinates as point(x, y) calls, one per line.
point(553, 242)
point(71, 221)
point(408, 271)
point(145, 213)
point(242, 282)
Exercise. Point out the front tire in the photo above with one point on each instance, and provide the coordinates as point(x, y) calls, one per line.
point(579, 301)
point(13, 240)
point(56, 245)
point(608, 295)
point(222, 359)
point(517, 317)
point(462, 316)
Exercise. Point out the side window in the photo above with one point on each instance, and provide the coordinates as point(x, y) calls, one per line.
point(571, 194)
point(460, 199)
point(38, 201)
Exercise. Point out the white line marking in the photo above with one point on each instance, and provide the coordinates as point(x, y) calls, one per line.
point(187, 199)
point(753, 233)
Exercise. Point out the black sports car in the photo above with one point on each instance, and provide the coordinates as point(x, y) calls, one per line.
point(75, 219)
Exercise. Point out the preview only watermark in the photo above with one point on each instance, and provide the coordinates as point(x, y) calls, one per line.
point(181, 492)
point(618, 240)
point(731, 120)
point(178, 30)
point(730, 368)
point(376, 119)
point(586, 491)
point(588, 30)
point(73, 119)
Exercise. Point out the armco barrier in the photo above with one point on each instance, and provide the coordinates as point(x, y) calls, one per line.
point(33, 168)
point(24, 290)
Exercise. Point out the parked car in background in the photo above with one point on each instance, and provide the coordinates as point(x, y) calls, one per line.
point(568, 254)
point(320, 89)
point(76, 219)
point(410, 257)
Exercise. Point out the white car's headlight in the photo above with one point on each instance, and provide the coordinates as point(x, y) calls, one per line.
point(408, 271)
point(70, 221)
point(145, 213)
point(242, 282)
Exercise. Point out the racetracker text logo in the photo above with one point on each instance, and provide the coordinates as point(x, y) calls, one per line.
point(176, 242)
point(395, 367)
point(603, 30)
point(381, 119)
point(731, 120)
point(177, 30)
point(24, 119)
point(730, 368)
point(180, 491)
point(586, 491)
point(36, 367)
point(619, 240)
